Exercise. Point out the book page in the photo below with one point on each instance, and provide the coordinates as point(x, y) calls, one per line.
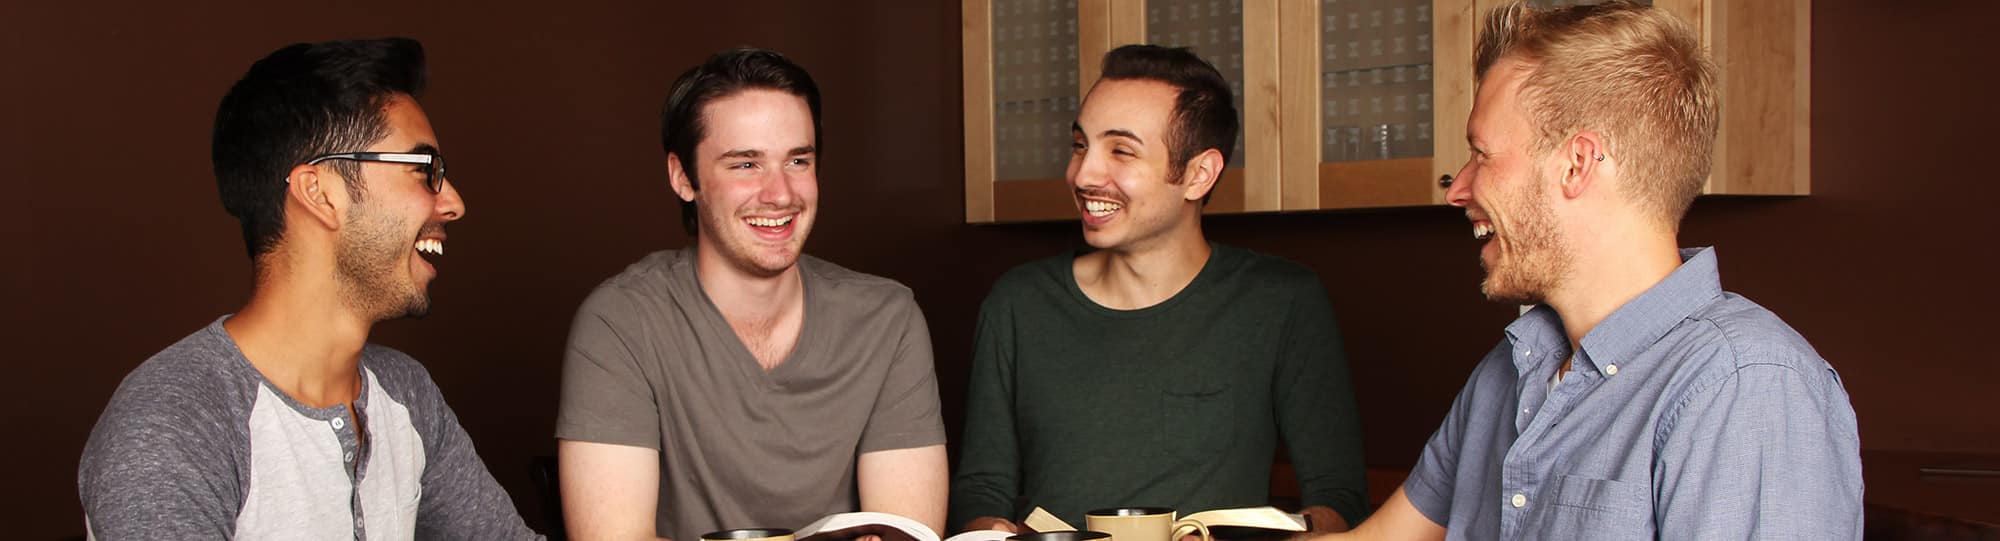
point(981, 535)
point(1270, 518)
point(889, 527)
point(1040, 520)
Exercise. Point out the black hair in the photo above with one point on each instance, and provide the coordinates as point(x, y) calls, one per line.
point(1204, 114)
point(723, 75)
point(300, 102)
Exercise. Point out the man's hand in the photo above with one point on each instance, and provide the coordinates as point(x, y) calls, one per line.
point(1325, 520)
point(1397, 520)
point(993, 523)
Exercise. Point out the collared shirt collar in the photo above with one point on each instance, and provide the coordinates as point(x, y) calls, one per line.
point(1629, 329)
point(1536, 332)
point(1635, 326)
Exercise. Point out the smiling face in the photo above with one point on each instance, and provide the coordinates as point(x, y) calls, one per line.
point(1506, 189)
point(758, 172)
point(1120, 164)
point(396, 224)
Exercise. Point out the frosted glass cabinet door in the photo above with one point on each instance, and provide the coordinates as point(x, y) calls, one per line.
point(1239, 38)
point(1378, 92)
point(1034, 87)
point(1022, 72)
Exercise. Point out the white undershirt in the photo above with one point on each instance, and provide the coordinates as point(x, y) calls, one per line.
point(1558, 377)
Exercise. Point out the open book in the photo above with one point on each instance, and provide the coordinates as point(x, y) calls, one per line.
point(843, 526)
point(1268, 518)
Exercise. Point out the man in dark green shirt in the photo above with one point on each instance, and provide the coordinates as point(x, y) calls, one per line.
point(1156, 369)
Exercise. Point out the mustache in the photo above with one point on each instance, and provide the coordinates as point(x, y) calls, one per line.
point(1098, 193)
point(789, 209)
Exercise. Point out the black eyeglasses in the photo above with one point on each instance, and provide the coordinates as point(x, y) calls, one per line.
point(433, 163)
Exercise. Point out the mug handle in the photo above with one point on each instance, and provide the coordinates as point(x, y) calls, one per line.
point(1186, 526)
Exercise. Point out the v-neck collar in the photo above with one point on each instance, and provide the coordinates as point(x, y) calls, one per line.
point(740, 354)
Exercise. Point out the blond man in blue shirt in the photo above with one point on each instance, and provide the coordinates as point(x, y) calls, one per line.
point(1636, 399)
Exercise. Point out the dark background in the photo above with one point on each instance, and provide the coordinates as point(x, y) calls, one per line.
point(117, 245)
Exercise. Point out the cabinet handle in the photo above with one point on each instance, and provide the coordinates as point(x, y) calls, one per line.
point(1444, 181)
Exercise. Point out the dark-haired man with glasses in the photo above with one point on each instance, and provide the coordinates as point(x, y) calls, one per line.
point(281, 421)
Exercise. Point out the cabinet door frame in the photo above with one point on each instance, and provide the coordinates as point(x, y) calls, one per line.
point(987, 199)
point(1763, 51)
point(1313, 184)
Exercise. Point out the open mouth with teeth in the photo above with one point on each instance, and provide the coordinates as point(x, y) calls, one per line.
point(1098, 210)
point(430, 246)
point(427, 248)
point(1482, 230)
point(769, 222)
point(772, 227)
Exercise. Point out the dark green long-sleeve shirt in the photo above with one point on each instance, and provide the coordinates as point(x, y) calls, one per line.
point(1073, 406)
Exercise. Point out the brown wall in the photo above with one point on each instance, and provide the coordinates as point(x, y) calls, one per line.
point(547, 110)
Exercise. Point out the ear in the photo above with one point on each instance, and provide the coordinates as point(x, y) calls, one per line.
point(1198, 176)
point(312, 189)
point(1582, 162)
point(677, 176)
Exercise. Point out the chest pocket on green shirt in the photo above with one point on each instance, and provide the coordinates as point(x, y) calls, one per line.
point(1586, 508)
point(1197, 420)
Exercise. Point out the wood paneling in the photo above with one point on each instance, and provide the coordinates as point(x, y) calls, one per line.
point(1299, 95)
point(1764, 51)
point(1261, 116)
point(976, 37)
point(1377, 183)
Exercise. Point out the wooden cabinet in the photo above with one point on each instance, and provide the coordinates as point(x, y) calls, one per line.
point(1345, 103)
point(1376, 93)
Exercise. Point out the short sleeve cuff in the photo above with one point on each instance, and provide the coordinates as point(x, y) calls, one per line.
point(903, 440)
point(1431, 500)
point(599, 434)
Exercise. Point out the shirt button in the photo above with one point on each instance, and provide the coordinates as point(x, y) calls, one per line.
point(1525, 352)
point(1610, 370)
point(1519, 500)
point(1526, 410)
point(339, 423)
point(349, 457)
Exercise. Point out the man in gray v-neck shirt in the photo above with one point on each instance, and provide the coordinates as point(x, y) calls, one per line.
point(281, 421)
point(1637, 399)
point(739, 383)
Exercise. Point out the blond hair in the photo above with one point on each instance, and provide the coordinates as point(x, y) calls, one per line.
point(1633, 74)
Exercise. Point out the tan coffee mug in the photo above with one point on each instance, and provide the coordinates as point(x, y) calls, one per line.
point(1143, 524)
point(749, 534)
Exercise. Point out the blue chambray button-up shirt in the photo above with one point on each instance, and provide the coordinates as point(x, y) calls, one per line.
point(1691, 413)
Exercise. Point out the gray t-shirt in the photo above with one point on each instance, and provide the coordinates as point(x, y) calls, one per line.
point(652, 363)
point(196, 444)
